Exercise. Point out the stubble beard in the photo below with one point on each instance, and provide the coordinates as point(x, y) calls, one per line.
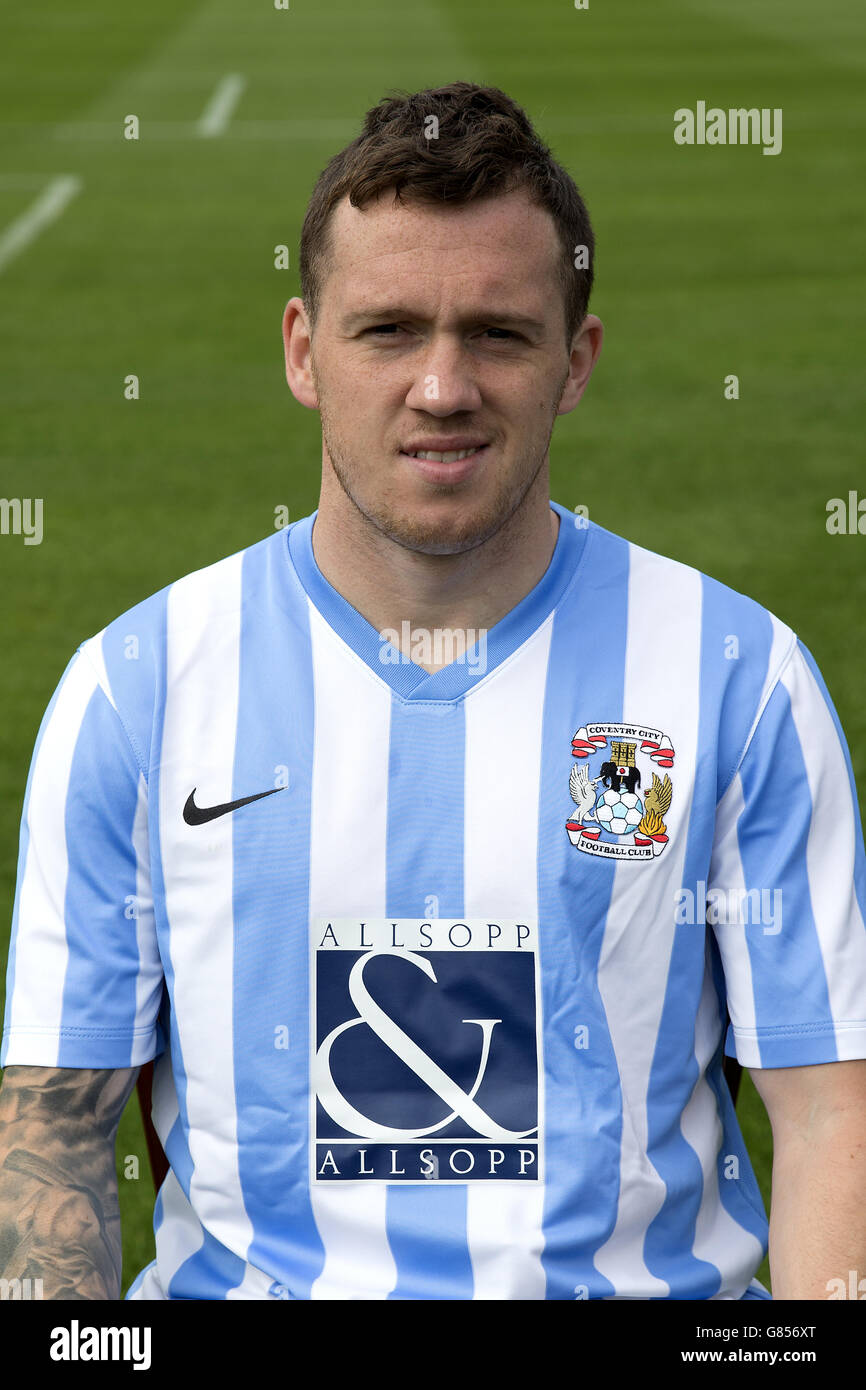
point(465, 530)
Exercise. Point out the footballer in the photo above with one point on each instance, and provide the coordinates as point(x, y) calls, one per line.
point(405, 927)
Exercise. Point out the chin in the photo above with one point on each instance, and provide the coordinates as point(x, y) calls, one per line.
point(448, 535)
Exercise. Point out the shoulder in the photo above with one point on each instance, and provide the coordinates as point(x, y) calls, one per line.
point(202, 594)
point(135, 656)
point(731, 622)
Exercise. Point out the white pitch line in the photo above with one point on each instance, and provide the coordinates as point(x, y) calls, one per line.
point(46, 209)
point(218, 111)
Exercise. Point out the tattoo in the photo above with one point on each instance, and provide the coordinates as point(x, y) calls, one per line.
point(59, 1216)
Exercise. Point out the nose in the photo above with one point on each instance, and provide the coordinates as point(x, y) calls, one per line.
point(444, 380)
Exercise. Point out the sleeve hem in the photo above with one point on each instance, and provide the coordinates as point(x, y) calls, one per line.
point(78, 1047)
point(800, 1045)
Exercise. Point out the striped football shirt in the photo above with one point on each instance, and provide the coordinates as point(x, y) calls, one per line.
point(439, 970)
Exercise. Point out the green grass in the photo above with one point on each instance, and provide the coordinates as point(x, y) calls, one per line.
point(710, 261)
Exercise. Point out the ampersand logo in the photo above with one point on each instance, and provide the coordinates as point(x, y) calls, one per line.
point(412, 1080)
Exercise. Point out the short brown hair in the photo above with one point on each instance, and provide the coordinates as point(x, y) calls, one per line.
point(485, 146)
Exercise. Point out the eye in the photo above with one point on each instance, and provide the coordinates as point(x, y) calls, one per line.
point(390, 330)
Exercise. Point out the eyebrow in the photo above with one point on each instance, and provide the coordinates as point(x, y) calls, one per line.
point(393, 313)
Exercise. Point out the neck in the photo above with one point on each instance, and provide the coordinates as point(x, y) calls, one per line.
point(392, 586)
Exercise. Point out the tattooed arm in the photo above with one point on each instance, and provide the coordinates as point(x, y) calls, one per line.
point(59, 1216)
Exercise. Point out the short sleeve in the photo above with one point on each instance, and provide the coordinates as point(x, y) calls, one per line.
point(786, 893)
point(84, 976)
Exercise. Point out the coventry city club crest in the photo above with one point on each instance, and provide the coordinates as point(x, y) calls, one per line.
point(621, 800)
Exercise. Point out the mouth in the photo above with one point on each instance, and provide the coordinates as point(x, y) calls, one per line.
point(445, 465)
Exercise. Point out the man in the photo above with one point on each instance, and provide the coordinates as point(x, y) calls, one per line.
point(433, 944)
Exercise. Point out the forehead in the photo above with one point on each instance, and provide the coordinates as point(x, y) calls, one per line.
point(502, 245)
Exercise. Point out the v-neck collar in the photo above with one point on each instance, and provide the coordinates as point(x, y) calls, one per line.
point(452, 682)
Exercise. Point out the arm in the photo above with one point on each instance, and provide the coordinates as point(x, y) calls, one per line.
point(59, 1215)
point(817, 1216)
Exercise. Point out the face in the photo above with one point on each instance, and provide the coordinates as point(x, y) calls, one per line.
point(440, 331)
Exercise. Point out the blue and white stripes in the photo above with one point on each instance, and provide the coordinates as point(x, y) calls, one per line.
point(404, 796)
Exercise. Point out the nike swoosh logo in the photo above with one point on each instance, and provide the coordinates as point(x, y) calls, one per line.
point(198, 815)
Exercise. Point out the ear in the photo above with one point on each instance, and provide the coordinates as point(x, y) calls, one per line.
point(297, 342)
point(585, 352)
